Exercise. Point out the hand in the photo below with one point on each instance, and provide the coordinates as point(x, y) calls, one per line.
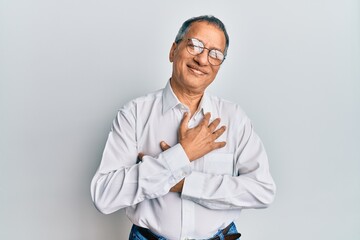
point(164, 146)
point(200, 140)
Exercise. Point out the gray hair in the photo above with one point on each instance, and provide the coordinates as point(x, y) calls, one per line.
point(205, 18)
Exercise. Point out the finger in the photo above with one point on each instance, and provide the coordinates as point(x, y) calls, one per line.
point(214, 124)
point(205, 120)
point(184, 122)
point(218, 132)
point(218, 145)
point(140, 156)
point(164, 146)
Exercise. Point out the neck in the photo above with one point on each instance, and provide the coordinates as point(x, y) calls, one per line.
point(188, 98)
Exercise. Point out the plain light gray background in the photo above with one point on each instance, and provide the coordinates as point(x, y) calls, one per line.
point(67, 66)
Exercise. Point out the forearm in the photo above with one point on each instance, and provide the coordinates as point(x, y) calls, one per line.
point(129, 185)
point(249, 186)
point(228, 192)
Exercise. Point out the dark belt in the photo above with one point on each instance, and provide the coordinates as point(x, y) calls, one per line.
point(150, 236)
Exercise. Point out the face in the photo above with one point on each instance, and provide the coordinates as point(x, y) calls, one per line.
point(193, 74)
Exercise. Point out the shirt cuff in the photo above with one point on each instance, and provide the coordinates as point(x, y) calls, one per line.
point(194, 186)
point(177, 161)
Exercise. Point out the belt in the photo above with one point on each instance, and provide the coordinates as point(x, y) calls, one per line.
point(150, 236)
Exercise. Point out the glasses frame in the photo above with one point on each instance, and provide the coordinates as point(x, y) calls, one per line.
point(203, 47)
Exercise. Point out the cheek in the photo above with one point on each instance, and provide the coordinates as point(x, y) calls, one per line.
point(214, 71)
point(180, 65)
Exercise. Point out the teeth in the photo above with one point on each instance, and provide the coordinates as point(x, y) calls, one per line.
point(197, 71)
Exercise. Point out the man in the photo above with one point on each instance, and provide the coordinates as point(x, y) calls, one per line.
point(183, 163)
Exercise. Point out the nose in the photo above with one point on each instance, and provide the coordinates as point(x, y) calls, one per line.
point(202, 58)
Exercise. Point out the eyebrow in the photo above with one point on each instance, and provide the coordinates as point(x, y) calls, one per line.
point(214, 48)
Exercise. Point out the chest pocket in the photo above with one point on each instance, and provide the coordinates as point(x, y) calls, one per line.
point(219, 163)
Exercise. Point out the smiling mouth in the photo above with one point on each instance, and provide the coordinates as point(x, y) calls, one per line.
point(196, 70)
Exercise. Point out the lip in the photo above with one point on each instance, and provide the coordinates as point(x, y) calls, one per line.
point(196, 70)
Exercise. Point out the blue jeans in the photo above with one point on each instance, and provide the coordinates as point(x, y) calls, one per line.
point(136, 235)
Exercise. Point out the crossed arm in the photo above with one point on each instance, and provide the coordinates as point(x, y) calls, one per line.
point(196, 141)
point(121, 183)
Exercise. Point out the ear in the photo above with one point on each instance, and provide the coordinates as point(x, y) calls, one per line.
point(172, 52)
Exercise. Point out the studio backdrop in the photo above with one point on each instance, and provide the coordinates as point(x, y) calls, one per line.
point(66, 67)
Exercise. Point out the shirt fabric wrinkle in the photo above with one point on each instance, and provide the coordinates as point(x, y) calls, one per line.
point(140, 126)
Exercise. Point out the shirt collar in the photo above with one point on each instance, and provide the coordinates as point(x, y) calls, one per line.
point(170, 100)
point(205, 104)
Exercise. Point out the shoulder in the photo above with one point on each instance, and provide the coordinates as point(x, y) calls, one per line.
point(142, 101)
point(227, 107)
point(131, 110)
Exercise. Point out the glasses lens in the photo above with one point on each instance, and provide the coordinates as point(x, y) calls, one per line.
point(195, 47)
point(216, 57)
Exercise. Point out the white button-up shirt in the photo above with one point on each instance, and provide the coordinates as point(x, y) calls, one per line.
point(217, 186)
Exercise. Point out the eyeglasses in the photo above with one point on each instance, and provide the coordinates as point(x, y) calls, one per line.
point(196, 47)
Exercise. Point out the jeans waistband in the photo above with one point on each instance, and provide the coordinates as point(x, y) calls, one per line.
point(228, 233)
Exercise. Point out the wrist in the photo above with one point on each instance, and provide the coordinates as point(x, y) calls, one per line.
point(187, 151)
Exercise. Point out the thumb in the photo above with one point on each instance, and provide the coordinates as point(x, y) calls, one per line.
point(164, 146)
point(184, 122)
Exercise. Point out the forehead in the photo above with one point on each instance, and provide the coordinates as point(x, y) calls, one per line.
point(208, 33)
